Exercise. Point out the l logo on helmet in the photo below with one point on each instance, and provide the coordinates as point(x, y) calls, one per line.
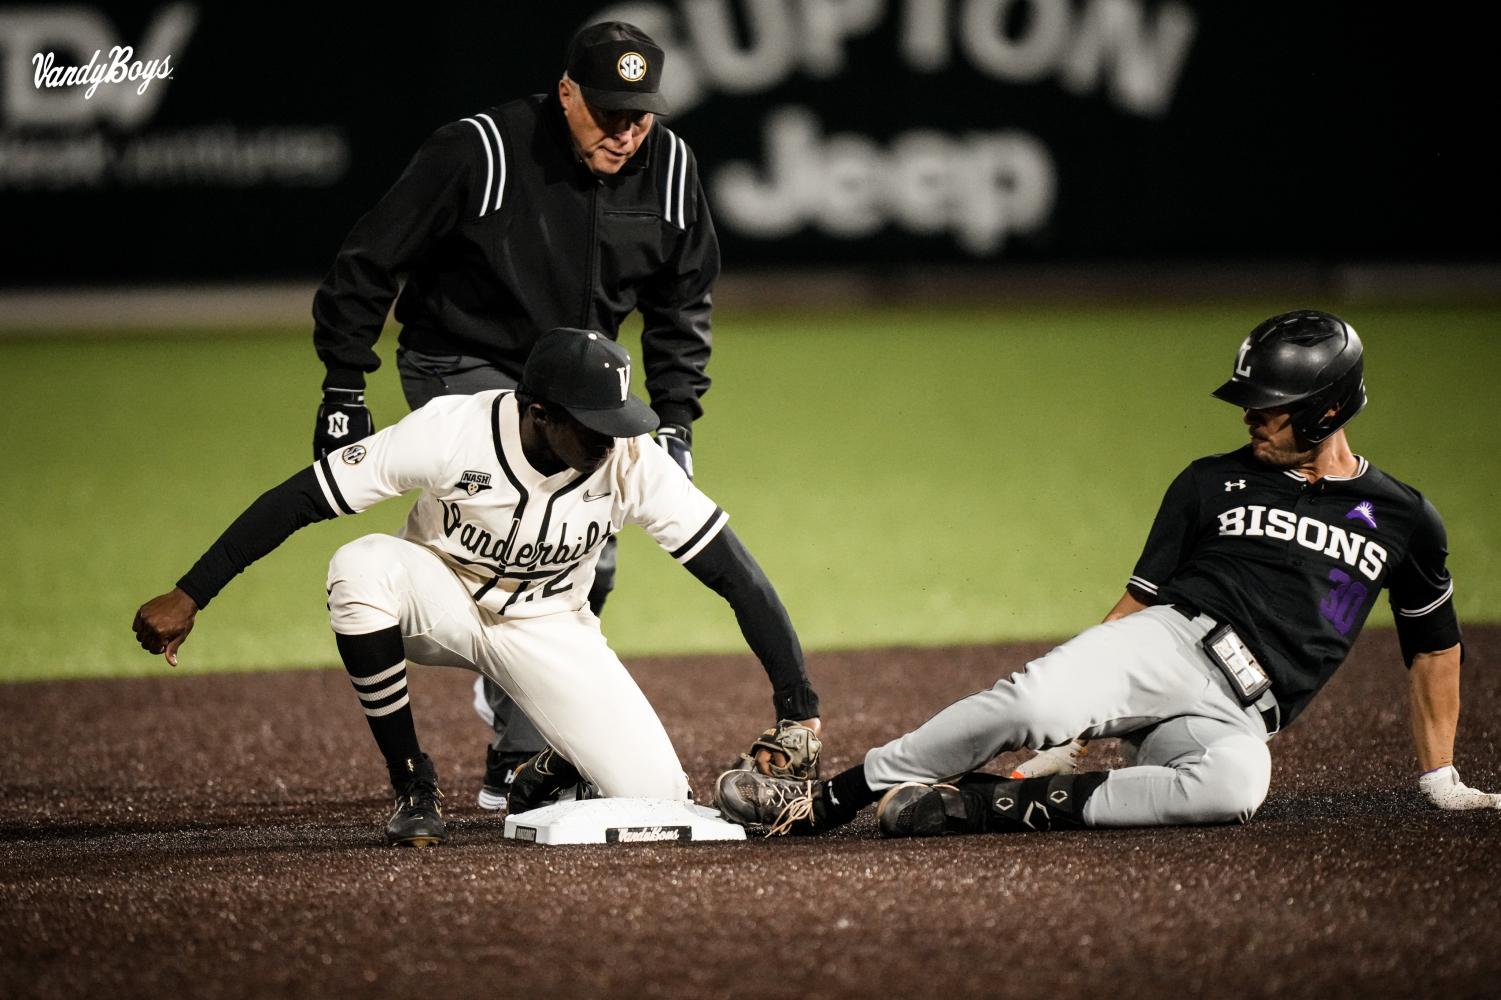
point(631, 67)
point(1241, 368)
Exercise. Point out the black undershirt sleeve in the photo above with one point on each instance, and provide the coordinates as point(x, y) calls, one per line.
point(267, 523)
point(725, 567)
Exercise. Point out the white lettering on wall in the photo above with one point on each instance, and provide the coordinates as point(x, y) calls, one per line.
point(1131, 50)
point(1142, 59)
point(980, 187)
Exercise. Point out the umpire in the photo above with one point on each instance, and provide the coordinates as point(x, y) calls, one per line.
point(569, 208)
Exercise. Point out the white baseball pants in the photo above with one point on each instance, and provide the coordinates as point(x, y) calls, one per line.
point(557, 667)
point(1199, 756)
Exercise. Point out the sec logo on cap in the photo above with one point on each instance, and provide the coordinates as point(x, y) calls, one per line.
point(631, 67)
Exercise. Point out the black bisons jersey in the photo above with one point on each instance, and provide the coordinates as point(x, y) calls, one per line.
point(1296, 566)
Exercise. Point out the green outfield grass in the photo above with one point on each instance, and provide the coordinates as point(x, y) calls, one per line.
point(904, 476)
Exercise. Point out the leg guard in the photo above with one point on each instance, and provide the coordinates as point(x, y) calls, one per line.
point(1002, 805)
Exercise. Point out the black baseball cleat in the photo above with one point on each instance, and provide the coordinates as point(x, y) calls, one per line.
point(418, 819)
point(540, 780)
point(500, 770)
point(913, 809)
point(779, 805)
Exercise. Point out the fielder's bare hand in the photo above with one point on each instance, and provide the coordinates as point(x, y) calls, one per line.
point(163, 623)
point(1444, 789)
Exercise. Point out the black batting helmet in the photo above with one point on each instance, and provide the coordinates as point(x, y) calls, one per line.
point(1306, 360)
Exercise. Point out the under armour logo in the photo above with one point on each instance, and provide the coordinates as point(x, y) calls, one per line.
point(624, 371)
point(338, 424)
point(1234, 484)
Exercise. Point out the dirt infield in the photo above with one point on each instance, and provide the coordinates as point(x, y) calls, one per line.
point(221, 836)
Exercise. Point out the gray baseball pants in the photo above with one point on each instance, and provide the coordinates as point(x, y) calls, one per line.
point(1199, 755)
point(423, 377)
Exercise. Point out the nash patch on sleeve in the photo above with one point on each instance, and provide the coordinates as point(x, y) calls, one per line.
point(472, 482)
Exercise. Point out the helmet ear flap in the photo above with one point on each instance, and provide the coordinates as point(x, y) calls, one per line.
point(1323, 413)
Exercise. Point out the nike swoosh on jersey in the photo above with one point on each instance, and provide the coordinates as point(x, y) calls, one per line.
point(595, 496)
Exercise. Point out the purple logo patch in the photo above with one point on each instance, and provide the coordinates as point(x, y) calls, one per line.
point(1363, 511)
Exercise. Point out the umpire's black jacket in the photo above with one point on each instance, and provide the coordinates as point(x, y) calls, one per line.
point(504, 233)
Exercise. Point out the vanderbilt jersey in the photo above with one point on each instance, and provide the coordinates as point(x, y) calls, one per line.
point(524, 544)
point(1296, 566)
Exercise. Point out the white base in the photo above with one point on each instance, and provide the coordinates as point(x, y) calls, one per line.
point(620, 821)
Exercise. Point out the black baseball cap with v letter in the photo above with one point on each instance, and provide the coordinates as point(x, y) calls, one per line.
point(589, 375)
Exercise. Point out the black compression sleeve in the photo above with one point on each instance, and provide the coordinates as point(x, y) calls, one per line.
point(265, 524)
point(725, 567)
point(1439, 629)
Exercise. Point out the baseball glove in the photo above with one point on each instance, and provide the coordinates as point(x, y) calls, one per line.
point(791, 752)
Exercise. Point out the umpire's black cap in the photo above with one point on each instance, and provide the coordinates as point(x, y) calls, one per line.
point(589, 375)
point(618, 67)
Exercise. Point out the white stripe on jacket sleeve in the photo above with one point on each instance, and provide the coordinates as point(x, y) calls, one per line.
point(500, 155)
point(489, 164)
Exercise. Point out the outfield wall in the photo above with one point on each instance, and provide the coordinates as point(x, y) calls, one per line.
point(287, 304)
point(863, 134)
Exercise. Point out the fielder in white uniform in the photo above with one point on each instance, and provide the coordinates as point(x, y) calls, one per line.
point(519, 493)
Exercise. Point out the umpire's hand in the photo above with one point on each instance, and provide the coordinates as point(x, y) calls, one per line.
point(343, 418)
point(677, 440)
